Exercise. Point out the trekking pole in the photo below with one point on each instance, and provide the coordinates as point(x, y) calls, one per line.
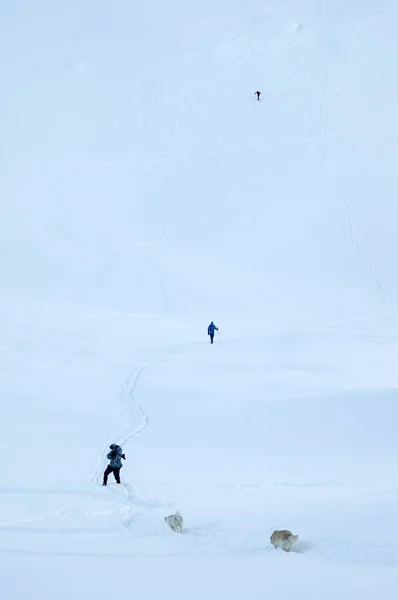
point(219, 335)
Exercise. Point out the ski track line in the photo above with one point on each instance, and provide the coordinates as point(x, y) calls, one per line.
point(323, 144)
point(311, 97)
point(126, 396)
point(53, 515)
point(130, 405)
point(165, 296)
point(189, 293)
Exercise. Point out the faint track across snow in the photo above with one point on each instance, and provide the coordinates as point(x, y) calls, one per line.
point(322, 153)
point(138, 423)
point(132, 408)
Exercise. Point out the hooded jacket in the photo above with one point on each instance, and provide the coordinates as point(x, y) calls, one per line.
point(211, 328)
point(115, 456)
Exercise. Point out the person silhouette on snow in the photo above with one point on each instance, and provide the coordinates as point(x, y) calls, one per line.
point(115, 457)
point(258, 94)
point(210, 331)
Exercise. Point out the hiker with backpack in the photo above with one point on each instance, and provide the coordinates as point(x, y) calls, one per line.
point(115, 457)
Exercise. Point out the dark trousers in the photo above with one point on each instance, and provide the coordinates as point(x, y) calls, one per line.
point(211, 337)
point(114, 470)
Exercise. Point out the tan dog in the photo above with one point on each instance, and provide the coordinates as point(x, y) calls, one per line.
point(283, 539)
point(175, 522)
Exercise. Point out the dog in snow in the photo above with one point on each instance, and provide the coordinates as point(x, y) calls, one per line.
point(175, 522)
point(283, 539)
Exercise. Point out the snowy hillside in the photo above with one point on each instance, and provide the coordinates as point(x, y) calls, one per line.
point(145, 192)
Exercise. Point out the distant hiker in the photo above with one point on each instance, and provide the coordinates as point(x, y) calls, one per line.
point(258, 94)
point(210, 331)
point(115, 457)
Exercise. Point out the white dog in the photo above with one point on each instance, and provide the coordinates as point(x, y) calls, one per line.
point(175, 522)
point(283, 539)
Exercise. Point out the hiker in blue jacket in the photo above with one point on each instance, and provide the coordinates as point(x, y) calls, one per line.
point(210, 331)
point(115, 457)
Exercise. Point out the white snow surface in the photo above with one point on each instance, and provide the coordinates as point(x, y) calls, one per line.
point(145, 191)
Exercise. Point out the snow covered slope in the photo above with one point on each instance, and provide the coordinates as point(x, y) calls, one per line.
point(145, 192)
